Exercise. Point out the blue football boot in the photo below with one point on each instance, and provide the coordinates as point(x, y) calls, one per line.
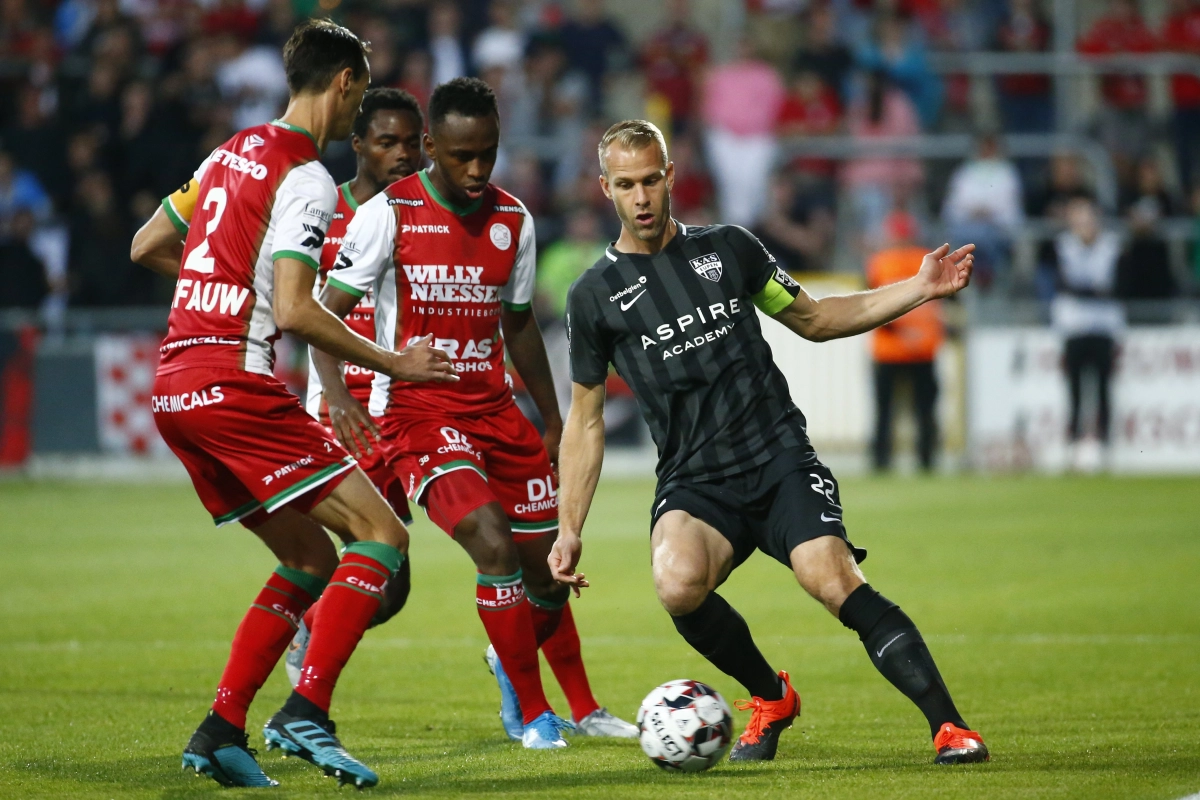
point(315, 742)
point(510, 707)
point(546, 732)
point(221, 751)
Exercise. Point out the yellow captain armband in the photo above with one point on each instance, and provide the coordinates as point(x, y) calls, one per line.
point(778, 294)
point(180, 204)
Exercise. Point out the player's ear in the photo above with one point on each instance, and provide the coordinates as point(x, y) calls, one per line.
point(356, 144)
point(428, 145)
point(604, 186)
point(670, 175)
point(344, 81)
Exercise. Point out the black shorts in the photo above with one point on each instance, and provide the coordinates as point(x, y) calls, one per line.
point(772, 508)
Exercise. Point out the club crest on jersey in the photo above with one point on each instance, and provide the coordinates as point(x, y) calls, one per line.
point(501, 236)
point(252, 141)
point(708, 266)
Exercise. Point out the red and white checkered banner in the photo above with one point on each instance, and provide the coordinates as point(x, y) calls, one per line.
point(125, 366)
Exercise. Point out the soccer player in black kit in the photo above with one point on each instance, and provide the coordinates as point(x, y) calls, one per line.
point(672, 308)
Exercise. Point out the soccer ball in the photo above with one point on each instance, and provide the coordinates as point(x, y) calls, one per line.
point(685, 726)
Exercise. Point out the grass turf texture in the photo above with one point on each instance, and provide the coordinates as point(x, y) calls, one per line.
point(1063, 613)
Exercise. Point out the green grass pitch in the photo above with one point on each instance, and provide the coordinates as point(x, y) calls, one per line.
point(1064, 614)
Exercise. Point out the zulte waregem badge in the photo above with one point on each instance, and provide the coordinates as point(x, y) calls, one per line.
point(501, 236)
point(708, 266)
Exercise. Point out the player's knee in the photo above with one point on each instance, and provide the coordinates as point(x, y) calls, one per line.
point(832, 591)
point(828, 574)
point(546, 589)
point(380, 527)
point(314, 556)
point(485, 535)
point(680, 593)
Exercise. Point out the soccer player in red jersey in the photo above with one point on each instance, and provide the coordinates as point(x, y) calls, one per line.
point(452, 256)
point(387, 143)
point(254, 219)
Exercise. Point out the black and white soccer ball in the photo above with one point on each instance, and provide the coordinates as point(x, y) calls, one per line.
point(685, 726)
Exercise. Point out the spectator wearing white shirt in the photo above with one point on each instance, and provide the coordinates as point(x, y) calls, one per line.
point(445, 43)
point(502, 44)
point(255, 81)
point(1082, 261)
point(984, 205)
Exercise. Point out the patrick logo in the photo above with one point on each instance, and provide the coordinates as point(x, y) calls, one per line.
point(252, 141)
point(708, 266)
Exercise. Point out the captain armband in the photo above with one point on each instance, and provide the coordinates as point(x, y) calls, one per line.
point(778, 294)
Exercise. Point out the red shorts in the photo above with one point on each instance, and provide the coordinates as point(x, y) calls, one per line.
point(378, 467)
point(503, 448)
point(247, 443)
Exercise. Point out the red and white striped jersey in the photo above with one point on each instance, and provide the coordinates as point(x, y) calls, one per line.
point(444, 270)
point(361, 320)
point(260, 196)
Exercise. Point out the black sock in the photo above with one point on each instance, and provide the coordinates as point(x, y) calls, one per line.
point(719, 633)
point(899, 653)
point(298, 705)
point(218, 727)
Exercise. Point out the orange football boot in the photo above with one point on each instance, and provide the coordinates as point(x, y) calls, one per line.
point(770, 718)
point(956, 745)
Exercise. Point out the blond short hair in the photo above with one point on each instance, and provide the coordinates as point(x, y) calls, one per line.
point(631, 134)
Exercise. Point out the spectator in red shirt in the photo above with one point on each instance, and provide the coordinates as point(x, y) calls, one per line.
point(811, 108)
point(1181, 34)
point(1122, 30)
point(1026, 101)
point(1123, 126)
point(693, 189)
point(671, 59)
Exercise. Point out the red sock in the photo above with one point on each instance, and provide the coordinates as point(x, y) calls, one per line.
point(261, 639)
point(559, 640)
point(345, 610)
point(310, 616)
point(509, 625)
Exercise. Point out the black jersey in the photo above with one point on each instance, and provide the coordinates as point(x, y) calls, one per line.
point(680, 328)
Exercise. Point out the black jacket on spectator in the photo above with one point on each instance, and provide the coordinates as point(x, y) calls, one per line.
point(22, 276)
point(41, 150)
point(100, 270)
point(1144, 272)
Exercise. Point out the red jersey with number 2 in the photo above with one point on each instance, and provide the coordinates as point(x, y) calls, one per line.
point(261, 196)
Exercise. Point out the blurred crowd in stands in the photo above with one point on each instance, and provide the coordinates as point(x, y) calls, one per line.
point(108, 105)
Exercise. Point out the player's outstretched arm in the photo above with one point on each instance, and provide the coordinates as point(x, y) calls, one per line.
point(942, 274)
point(157, 245)
point(298, 312)
point(579, 471)
point(527, 349)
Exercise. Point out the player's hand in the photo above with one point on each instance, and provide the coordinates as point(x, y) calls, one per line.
point(422, 363)
point(351, 424)
point(944, 272)
point(563, 558)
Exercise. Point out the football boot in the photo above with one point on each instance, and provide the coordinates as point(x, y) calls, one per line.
point(770, 718)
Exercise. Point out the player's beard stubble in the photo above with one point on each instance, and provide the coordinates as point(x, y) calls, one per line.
point(662, 215)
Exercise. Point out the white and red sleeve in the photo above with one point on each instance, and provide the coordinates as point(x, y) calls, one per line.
point(367, 247)
point(517, 294)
